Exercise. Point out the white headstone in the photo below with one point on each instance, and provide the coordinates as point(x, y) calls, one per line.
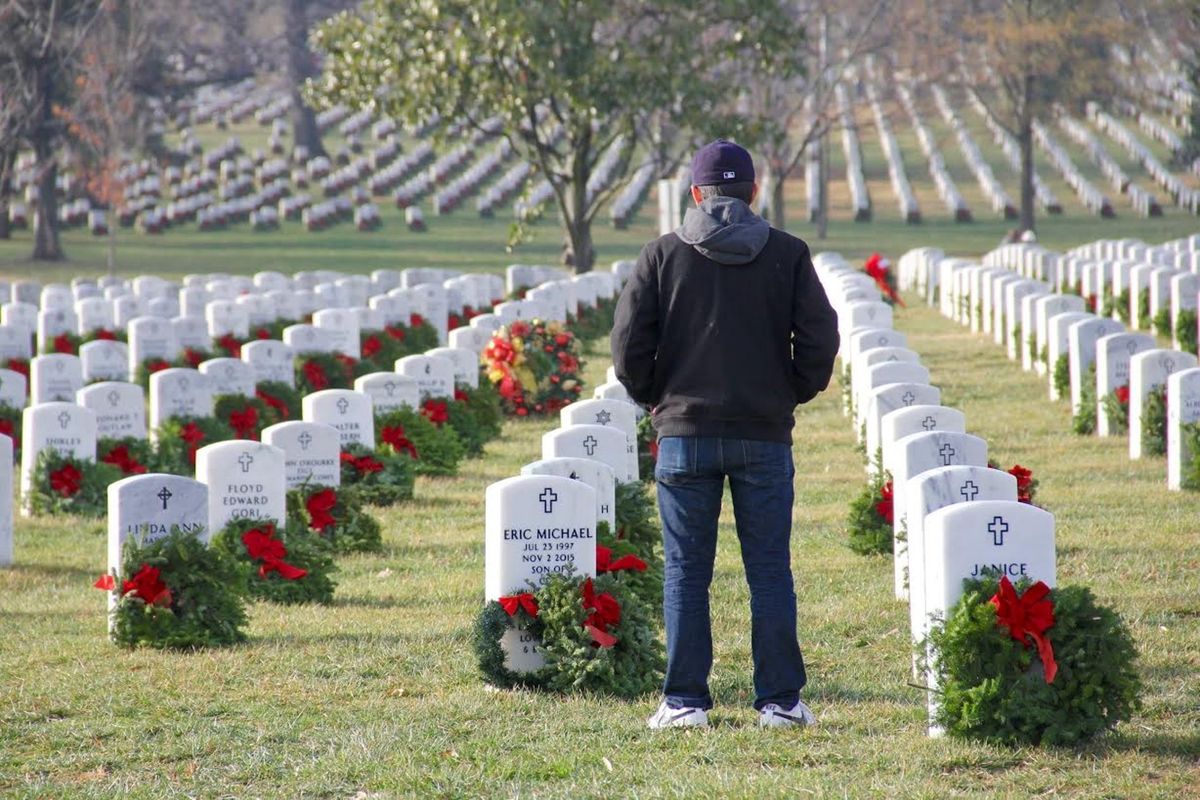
point(340, 325)
point(347, 411)
point(151, 337)
point(269, 360)
point(603, 443)
point(389, 391)
point(227, 317)
point(63, 427)
point(6, 501)
point(1149, 370)
point(178, 392)
point(120, 409)
point(245, 481)
point(229, 376)
point(1113, 353)
point(1183, 407)
point(434, 374)
point(13, 389)
point(596, 474)
point(312, 452)
point(55, 377)
point(466, 364)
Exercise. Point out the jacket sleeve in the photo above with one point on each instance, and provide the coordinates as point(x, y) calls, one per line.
point(815, 337)
point(635, 331)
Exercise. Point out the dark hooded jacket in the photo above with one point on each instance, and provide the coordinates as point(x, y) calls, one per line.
point(724, 328)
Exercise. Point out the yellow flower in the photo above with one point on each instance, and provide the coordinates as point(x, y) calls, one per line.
point(518, 344)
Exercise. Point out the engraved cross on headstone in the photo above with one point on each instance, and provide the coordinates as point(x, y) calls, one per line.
point(164, 494)
point(947, 452)
point(342, 405)
point(969, 490)
point(64, 419)
point(929, 423)
point(548, 498)
point(908, 398)
point(245, 459)
point(390, 388)
point(114, 397)
point(589, 444)
point(997, 528)
point(305, 439)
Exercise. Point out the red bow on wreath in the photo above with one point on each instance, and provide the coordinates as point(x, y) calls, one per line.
point(119, 457)
point(63, 344)
point(605, 611)
point(884, 507)
point(1122, 393)
point(394, 435)
point(363, 464)
point(261, 545)
point(146, 584)
point(1031, 614)
point(192, 434)
point(315, 375)
point(231, 346)
point(244, 422)
point(105, 335)
point(1024, 478)
point(273, 402)
point(394, 331)
point(320, 507)
point(436, 412)
point(875, 268)
point(604, 562)
point(67, 480)
point(371, 346)
point(510, 604)
point(461, 396)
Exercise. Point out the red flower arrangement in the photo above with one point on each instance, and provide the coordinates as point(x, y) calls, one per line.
point(884, 507)
point(436, 412)
point(231, 346)
point(394, 436)
point(605, 611)
point(1122, 393)
point(320, 507)
point(263, 546)
point(67, 480)
point(121, 458)
point(1024, 483)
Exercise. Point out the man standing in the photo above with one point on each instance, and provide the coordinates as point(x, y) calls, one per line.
point(724, 329)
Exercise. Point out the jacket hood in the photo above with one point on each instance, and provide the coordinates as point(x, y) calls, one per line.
point(725, 230)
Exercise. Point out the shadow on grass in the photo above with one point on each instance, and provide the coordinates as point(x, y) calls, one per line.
point(54, 571)
point(1184, 747)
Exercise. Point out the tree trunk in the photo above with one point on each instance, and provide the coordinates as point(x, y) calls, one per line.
point(823, 189)
point(46, 246)
point(301, 67)
point(7, 160)
point(778, 212)
point(576, 217)
point(1025, 140)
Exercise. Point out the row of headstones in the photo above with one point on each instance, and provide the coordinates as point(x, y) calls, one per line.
point(993, 297)
point(544, 521)
point(954, 518)
point(341, 307)
point(295, 453)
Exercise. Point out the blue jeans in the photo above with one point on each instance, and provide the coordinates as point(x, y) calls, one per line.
point(691, 474)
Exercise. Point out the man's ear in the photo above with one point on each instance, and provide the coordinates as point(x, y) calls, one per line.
point(696, 195)
point(754, 193)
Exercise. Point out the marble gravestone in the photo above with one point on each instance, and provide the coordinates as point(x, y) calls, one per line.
point(603, 443)
point(1059, 345)
point(245, 481)
point(227, 317)
point(909, 457)
point(1113, 354)
point(13, 389)
point(104, 360)
point(1149, 370)
point(466, 364)
point(535, 526)
point(881, 375)
point(930, 491)
point(52, 323)
point(64, 427)
point(14, 343)
point(6, 501)
point(468, 337)
point(151, 337)
point(229, 376)
point(178, 392)
point(93, 314)
point(1046, 308)
point(596, 474)
point(340, 325)
point(270, 360)
point(389, 391)
point(55, 378)
point(312, 452)
point(619, 414)
point(1082, 338)
point(429, 300)
point(143, 508)
point(904, 421)
point(434, 375)
point(347, 411)
point(1183, 407)
point(192, 333)
point(885, 399)
point(120, 409)
point(308, 339)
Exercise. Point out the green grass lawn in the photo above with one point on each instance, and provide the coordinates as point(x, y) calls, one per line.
point(377, 696)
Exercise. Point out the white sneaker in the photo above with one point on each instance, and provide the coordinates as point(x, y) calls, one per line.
point(774, 716)
point(667, 717)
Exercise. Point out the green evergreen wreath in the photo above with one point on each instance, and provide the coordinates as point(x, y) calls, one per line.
point(1084, 421)
point(647, 445)
point(846, 381)
point(244, 416)
point(1162, 323)
point(283, 403)
point(484, 402)
point(1185, 330)
point(149, 366)
point(205, 606)
point(1144, 306)
point(131, 456)
point(463, 421)
point(632, 666)
point(378, 477)
point(379, 350)
point(637, 517)
point(272, 577)
point(647, 584)
point(993, 687)
point(438, 449)
point(10, 426)
point(65, 484)
point(318, 371)
point(1062, 376)
point(419, 336)
point(869, 525)
point(1154, 422)
point(1116, 411)
point(1189, 433)
point(178, 438)
point(335, 516)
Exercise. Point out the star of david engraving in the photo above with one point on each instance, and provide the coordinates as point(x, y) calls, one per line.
point(245, 459)
point(589, 444)
point(164, 494)
point(947, 453)
point(997, 528)
point(969, 490)
point(548, 498)
point(603, 417)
